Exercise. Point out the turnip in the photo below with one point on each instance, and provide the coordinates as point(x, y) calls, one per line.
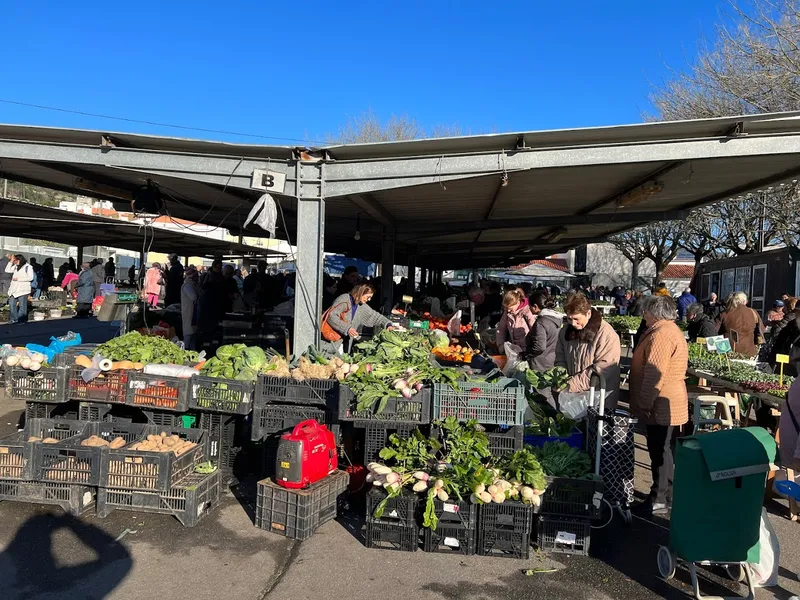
point(25, 363)
point(372, 466)
point(12, 361)
point(475, 500)
point(369, 368)
point(392, 488)
point(421, 475)
point(393, 478)
point(407, 393)
point(35, 366)
point(485, 497)
point(382, 470)
point(439, 484)
point(479, 488)
point(370, 477)
point(400, 384)
point(513, 493)
point(499, 498)
point(420, 486)
point(493, 489)
point(443, 496)
point(37, 357)
point(527, 493)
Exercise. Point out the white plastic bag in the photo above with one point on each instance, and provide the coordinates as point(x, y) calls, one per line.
point(512, 359)
point(454, 325)
point(573, 404)
point(264, 214)
point(765, 571)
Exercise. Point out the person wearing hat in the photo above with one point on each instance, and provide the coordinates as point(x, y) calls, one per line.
point(776, 314)
point(174, 281)
point(190, 294)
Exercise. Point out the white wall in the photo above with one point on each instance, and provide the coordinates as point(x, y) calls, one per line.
point(609, 266)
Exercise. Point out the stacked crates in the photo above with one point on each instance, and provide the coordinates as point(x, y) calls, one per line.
point(568, 507)
point(397, 527)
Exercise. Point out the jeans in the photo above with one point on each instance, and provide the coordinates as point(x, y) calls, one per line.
point(662, 467)
point(17, 315)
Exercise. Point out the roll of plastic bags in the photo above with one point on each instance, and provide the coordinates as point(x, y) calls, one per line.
point(170, 371)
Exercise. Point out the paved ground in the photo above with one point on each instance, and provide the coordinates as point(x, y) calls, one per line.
point(47, 555)
point(39, 332)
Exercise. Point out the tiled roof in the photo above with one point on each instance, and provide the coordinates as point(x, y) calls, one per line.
point(560, 264)
point(678, 272)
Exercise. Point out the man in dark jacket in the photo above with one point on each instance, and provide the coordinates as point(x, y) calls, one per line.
point(686, 298)
point(174, 278)
point(110, 269)
point(700, 325)
point(85, 289)
point(713, 308)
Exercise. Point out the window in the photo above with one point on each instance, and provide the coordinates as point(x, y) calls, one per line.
point(705, 289)
point(580, 259)
point(728, 282)
point(759, 288)
point(742, 279)
point(715, 285)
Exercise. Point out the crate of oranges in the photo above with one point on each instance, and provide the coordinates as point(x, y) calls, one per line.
point(455, 354)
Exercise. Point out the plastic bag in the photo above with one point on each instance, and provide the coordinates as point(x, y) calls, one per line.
point(171, 371)
point(47, 351)
point(513, 359)
point(454, 325)
point(91, 372)
point(765, 571)
point(573, 404)
point(264, 214)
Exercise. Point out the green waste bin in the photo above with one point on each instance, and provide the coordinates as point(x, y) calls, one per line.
point(718, 492)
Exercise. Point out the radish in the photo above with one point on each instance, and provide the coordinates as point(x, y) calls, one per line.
point(371, 466)
point(406, 392)
point(410, 371)
point(420, 486)
point(382, 470)
point(439, 484)
point(377, 482)
point(421, 475)
point(400, 384)
point(418, 386)
point(393, 478)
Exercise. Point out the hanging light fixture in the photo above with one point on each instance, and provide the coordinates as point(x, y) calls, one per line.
point(357, 235)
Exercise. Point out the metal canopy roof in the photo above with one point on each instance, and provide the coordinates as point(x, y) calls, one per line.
point(475, 201)
point(24, 219)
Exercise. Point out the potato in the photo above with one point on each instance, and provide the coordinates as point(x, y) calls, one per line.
point(33, 438)
point(118, 442)
point(49, 440)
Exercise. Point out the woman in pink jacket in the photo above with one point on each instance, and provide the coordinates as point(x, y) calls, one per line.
point(516, 321)
point(152, 284)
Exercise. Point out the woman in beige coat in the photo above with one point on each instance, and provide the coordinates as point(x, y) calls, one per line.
point(658, 395)
point(588, 345)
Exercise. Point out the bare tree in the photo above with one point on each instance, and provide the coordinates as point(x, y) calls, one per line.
point(659, 241)
point(368, 128)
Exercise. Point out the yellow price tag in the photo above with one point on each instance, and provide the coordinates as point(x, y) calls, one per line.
point(285, 465)
point(782, 358)
point(702, 341)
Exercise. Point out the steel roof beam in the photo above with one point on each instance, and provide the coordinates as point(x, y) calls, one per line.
point(373, 208)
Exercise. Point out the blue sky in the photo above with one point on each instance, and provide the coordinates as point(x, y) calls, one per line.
point(300, 70)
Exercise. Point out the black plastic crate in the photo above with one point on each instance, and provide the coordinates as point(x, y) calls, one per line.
point(48, 384)
point(269, 419)
point(74, 499)
point(18, 455)
point(68, 461)
point(94, 411)
point(500, 402)
point(564, 535)
point(504, 544)
point(454, 513)
point(110, 387)
point(402, 509)
point(166, 419)
point(391, 536)
point(323, 393)
point(221, 433)
point(450, 539)
point(415, 410)
point(568, 497)
point(296, 514)
point(509, 516)
point(376, 437)
point(221, 395)
point(144, 470)
point(505, 440)
point(158, 392)
point(40, 410)
point(60, 429)
point(188, 501)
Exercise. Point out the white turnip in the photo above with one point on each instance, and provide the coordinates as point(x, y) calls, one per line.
point(420, 486)
point(485, 497)
point(25, 363)
point(499, 498)
point(479, 488)
point(35, 366)
point(393, 478)
point(493, 489)
point(12, 361)
point(526, 492)
point(439, 484)
point(421, 475)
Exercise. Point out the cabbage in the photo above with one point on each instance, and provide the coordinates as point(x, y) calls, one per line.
point(439, 339)
point(254, 358)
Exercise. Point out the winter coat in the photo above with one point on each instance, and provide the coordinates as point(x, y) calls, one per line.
point(514, 326)
point(342, 318)
point(787, 342)
point(190, 294)
point(99, 273)
point(657, 390)
point(636, 308)
point(702, 327)
point(744, 321)
point(593, 349)
point(85, 287)
point(174, 284)
point(20, 280)
point(152, 281)
point(48, 276)
point(542, 340)
point(683, 303)
point(713, 309)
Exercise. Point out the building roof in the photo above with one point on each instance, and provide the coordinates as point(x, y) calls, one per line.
point(464, 202)
point(559, 264)
point(677, 271)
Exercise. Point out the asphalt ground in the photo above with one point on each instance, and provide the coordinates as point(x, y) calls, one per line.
point(45, 554)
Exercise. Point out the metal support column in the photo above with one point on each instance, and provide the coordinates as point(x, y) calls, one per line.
point(423, 278)
point(79, 260)
point(411, 277)
point(387, 270)
point(309, 259)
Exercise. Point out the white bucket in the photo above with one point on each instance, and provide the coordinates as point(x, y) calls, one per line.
point(55, 313)
point(38, 316)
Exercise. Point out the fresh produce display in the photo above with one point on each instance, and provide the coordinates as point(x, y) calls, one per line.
point(236, 361)
point(561, 460)
point(136, 347)
point(624, 323)
point(457, 353)
point(163, 442)
point(394, 365)
point(541, 424)
point(311, 365)
point(556, 378)
point(442, 324)
point(459, 467)
point(729, 368)
point(98, 442)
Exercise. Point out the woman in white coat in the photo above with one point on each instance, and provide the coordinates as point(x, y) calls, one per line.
point(190, 293)
point(20, 288)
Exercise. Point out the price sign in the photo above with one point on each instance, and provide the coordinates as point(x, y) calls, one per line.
point(782, 359)
point(702, 341)
point(723, 346)
point(711, 342)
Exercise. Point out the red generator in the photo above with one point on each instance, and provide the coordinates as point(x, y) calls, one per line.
point(305, 455)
